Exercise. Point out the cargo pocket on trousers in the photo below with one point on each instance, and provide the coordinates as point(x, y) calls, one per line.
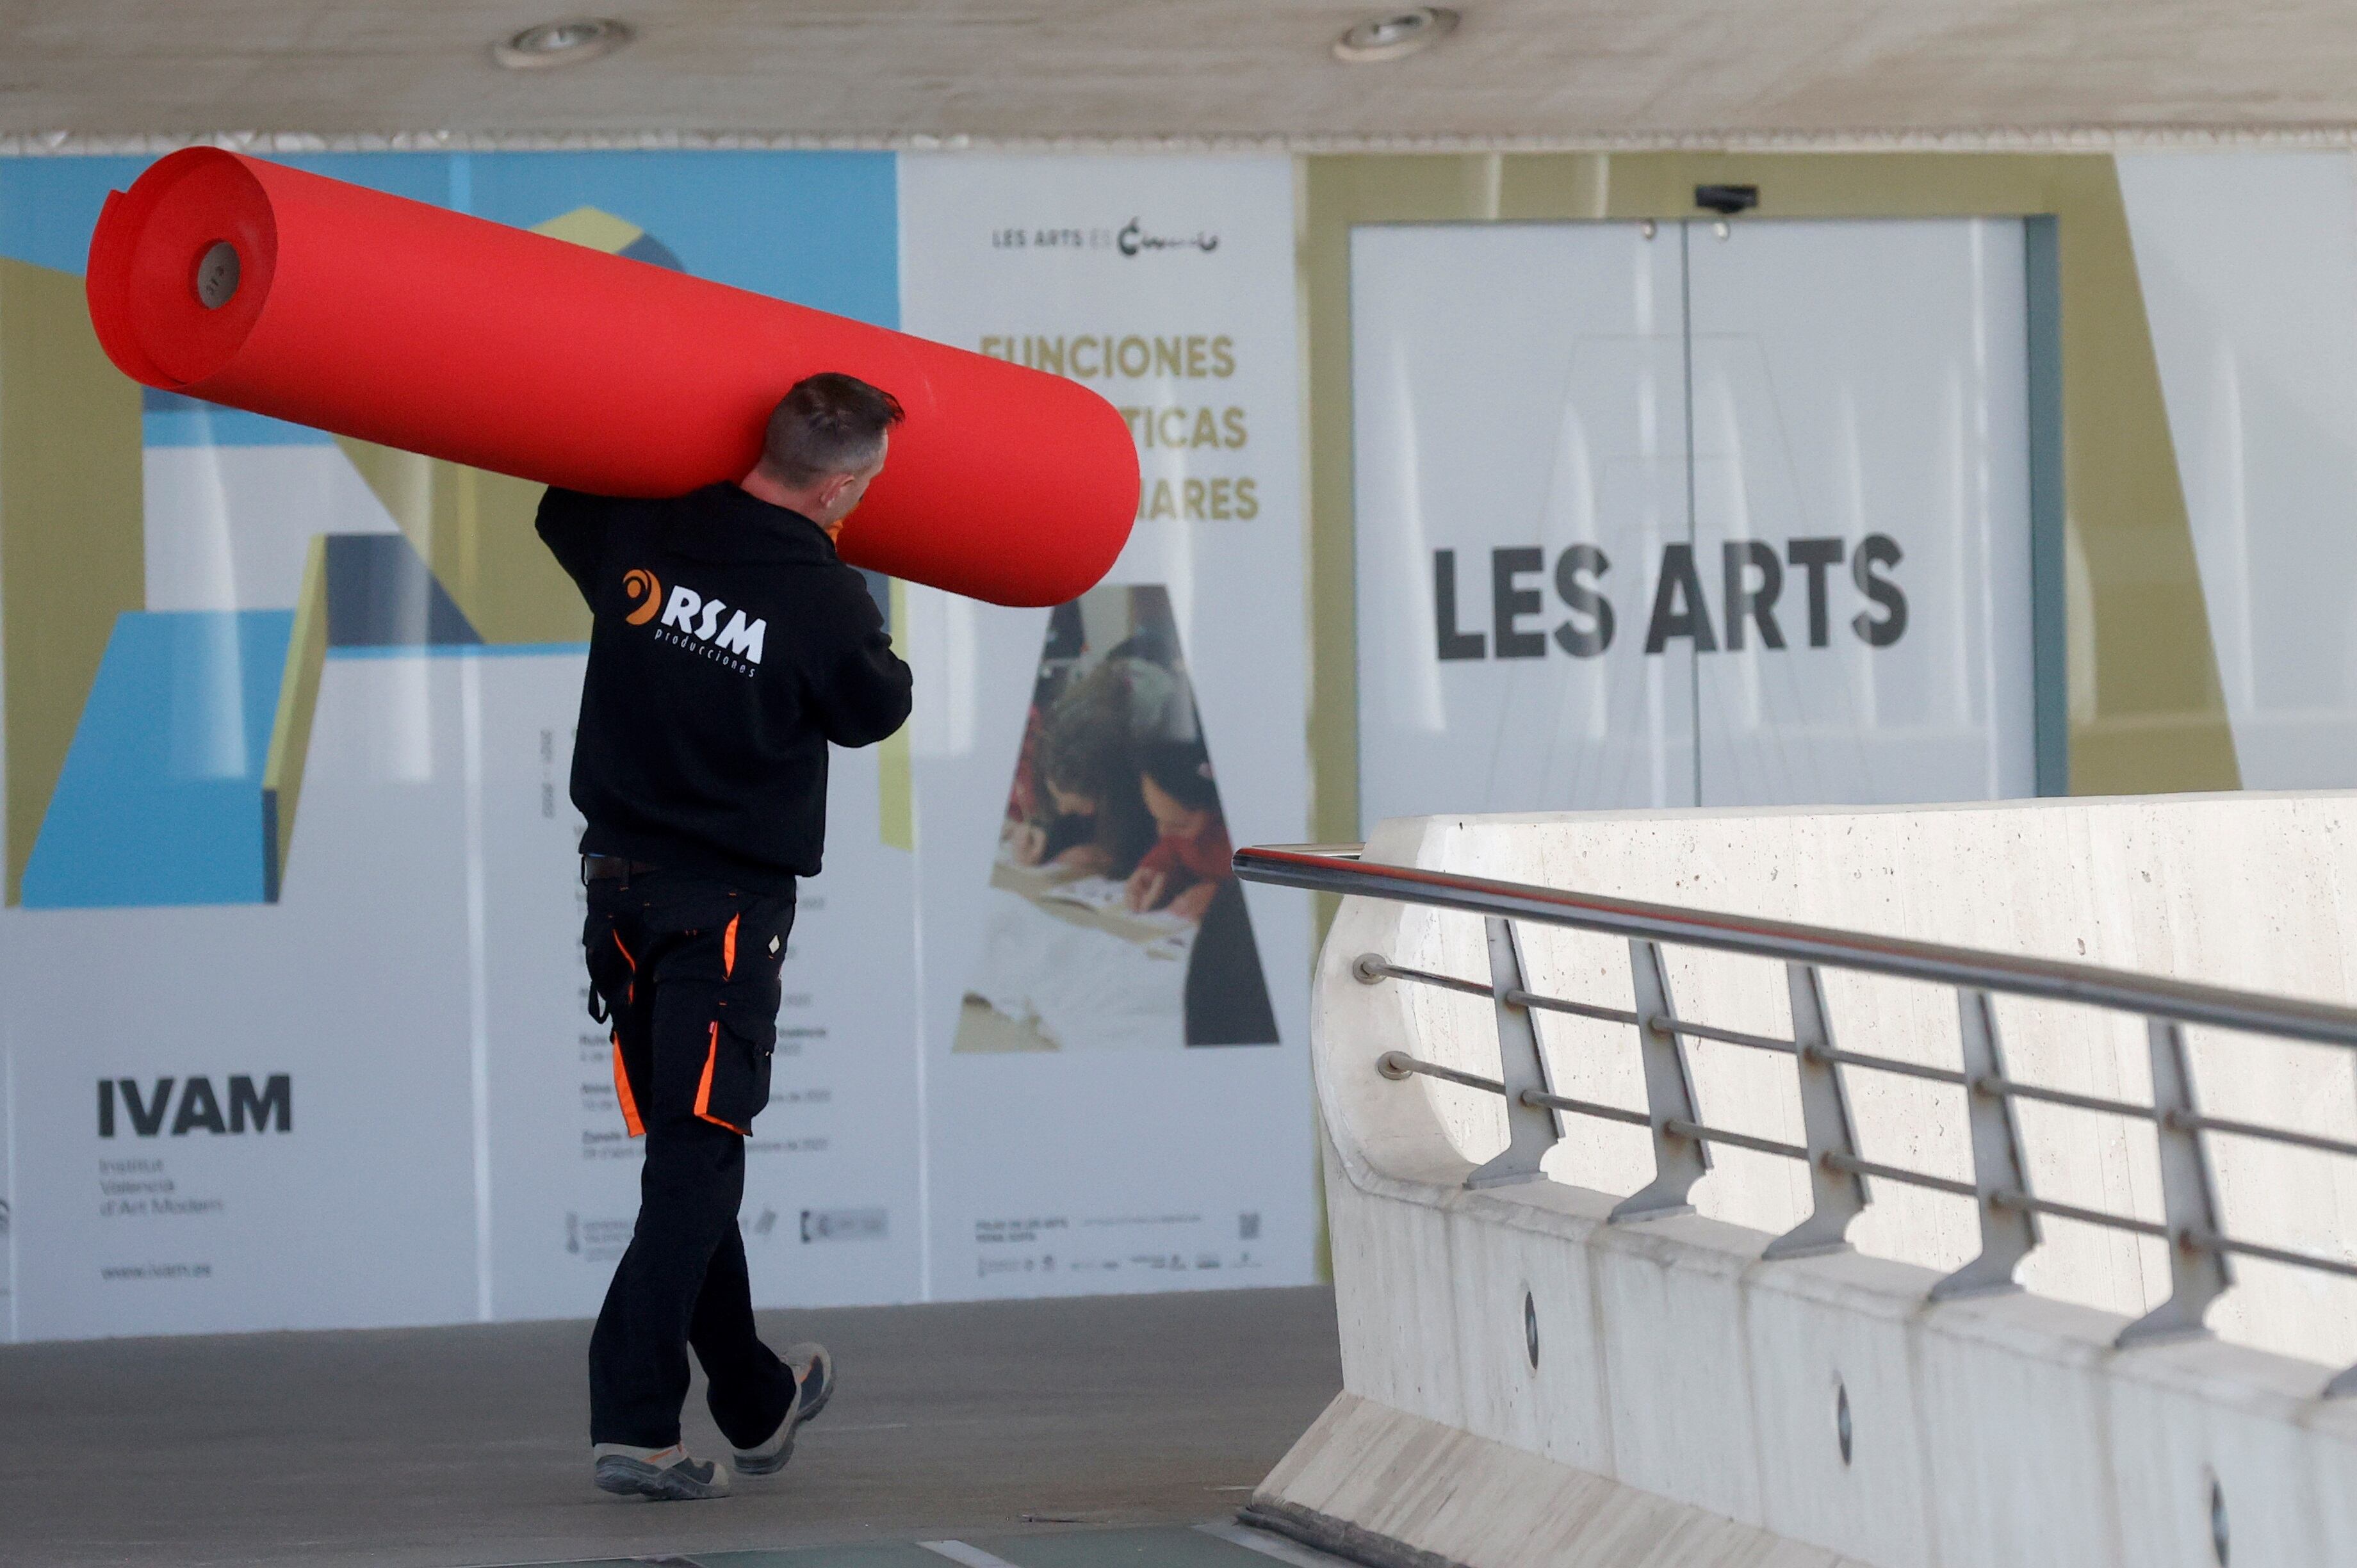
point(735, 1082)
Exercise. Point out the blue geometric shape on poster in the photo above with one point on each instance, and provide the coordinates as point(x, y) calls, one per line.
point(819, 228)
point(160, 799)
point(379, 594)
point(49, 206)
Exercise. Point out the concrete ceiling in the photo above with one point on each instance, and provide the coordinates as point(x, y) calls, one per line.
point(1558, 70)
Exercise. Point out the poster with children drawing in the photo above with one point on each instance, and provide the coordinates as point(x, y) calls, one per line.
point(1115, 1034)
point(1116, 920)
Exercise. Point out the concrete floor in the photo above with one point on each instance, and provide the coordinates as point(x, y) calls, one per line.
point(452, 1447)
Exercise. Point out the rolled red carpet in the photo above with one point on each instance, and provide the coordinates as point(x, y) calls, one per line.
point(287, 293)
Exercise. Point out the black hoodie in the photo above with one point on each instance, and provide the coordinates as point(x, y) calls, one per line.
point(730, 645)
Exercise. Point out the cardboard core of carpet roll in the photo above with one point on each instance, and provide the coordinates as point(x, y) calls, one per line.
point(217, 274)
point(401, 323)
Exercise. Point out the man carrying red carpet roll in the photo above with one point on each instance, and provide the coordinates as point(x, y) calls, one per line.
point(730, 647)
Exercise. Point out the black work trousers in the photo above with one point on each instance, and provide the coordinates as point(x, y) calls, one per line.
point(685, 970)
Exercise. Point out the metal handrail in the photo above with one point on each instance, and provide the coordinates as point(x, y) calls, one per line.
point(2199, 1248)
point(1328, 869)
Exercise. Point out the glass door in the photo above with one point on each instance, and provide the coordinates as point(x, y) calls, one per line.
point(1862, 511)
point(1648, 515)
point(1520, 462)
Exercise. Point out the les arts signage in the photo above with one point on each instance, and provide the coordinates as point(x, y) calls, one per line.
point(1132, 238)
point(1760, 592)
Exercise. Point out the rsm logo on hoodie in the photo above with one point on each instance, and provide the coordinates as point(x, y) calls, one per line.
point(692, 621)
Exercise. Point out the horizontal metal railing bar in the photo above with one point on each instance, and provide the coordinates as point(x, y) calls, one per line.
point(1539, 1099)
point(2277, 1255)
point(1369, 963)
point(1328, 851)
point(2005, 1086)
point(1532, 999)
point(1712, 1032)
point(1390, 971)
point(1399, 1064)
point(1519, 998)
point(2007, 1198)
point(1686, 1129)
point(1890, 1064)
point(2253, 1130)
point(1853, 1166)
point(2177, 1121)
point(2010, 973)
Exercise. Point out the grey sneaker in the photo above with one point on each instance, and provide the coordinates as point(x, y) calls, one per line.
point(667, 1475)
point(813, 1371)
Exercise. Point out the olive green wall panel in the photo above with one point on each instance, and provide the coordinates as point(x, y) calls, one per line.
point(72, 537)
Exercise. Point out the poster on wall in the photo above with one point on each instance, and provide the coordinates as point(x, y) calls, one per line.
point(293, 905)
point(1114, 1027)
point(234, 871)
point(290, 848)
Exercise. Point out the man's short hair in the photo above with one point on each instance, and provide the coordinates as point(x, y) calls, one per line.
point(829, 423)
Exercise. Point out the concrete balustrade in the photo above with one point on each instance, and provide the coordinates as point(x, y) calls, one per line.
point(1528, 1383)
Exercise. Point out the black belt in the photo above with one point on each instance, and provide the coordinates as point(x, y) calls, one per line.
point(605, 867)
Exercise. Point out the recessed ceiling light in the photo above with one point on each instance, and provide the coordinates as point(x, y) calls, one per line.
point(569, 42)
point(1395, 33)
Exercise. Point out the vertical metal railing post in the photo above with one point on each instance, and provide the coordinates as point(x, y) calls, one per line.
point(2008, 1235)
point(1531, 1130)
point(1678, 1162)
point(2198, 1275)
point(1841, 1196)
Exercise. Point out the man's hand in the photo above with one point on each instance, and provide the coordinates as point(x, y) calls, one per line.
point(1027, 843)
point(1146, 888)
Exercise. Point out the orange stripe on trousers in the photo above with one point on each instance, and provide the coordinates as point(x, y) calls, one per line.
point(704, 1090)
point(623, 1092)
